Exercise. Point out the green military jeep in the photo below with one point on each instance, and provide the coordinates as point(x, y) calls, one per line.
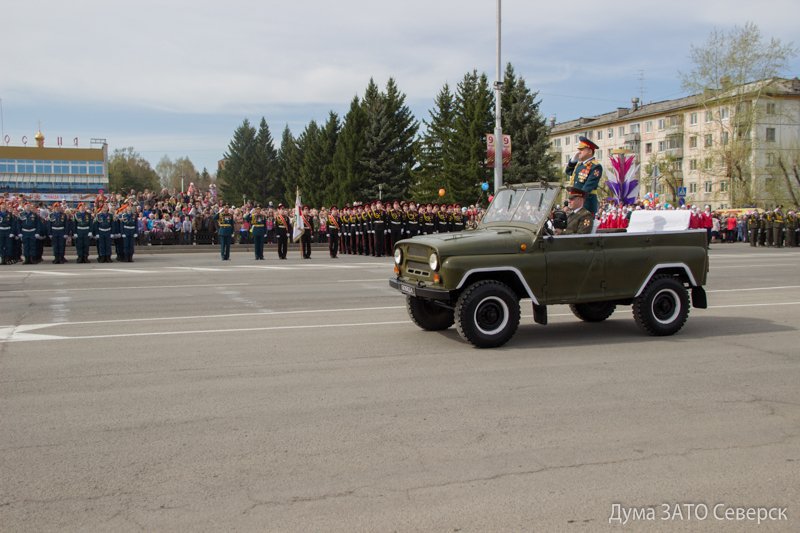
point(477, 278)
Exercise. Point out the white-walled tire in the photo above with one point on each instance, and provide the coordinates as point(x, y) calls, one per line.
point(663, 306)
point(487, 314)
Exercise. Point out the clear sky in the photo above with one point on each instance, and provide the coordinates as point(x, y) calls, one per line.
point(177, 77)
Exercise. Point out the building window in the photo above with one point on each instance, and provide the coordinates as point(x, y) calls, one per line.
point(557, 143)
point(709, 140)
point(566, 139)
point(707, 186)
point(660, 124)
point(589, 135)
point(648, 126)
point(648, 148)
point(693, 164)
point(610, 133)
point(621, 131)
point(723, 113)
point(770, 134)
point(707, 162)
point(693, 118)
point(599, 155)
point(771, 108)
point(693, 141)
point(661, 146)
point(635, 128)
point(723, 186)
point(724, 137)
point(771, 160)
point(692, 187)
point(708, 116)
point(599, 134)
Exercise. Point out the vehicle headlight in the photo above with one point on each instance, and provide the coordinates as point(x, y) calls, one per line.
point(433, 261)
point(398, 256)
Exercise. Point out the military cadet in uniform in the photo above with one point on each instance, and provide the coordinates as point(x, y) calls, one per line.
point(791, 229)
point(7, 231)
point(344, 229)
point(580, 219)
point(305, 237)
point(426, 218)
point(770, 226)
point(82, 233)
point(584, 173)
point(395, 223)
point(129, 233)
point(258, 225)
point(102, 228)
point(778, 227)
point(459, 218)
point(282, 229)
point(412, 222)
point(225, 222)
point(334, 225)
point(30, 232)
point(752, 228)
point(58, 228)
point(379, 229)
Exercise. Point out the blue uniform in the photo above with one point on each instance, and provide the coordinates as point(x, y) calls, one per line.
point(30, 227)
point(8, 230)
point(129, 233)
point(258, 225)
point(225, 234)
point(585, 177)
point(82, 231)
point(58, 229)
point(102, 229)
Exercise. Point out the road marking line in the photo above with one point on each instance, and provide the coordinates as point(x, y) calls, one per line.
point(772, 265)
point(758, 289)
point(752, 305)
point(45, 272)
point(362, 280)
point(128, 288)
point(29, 338)
point(200, 269)
point(127, 270)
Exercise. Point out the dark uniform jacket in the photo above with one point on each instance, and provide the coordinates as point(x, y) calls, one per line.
point(579, 221)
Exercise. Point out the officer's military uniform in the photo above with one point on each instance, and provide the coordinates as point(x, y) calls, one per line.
point(305, 237)
point(8, 229)
point(102, 229)
point(282, 229)
point(769, 229)
point(752, 229)
point(129, 234)
point(579, 222)
point(258, 225)
point(225, 232)
point(30, 232)
point(426, 220)
point(395, 225)
point(791, 229)
point(334, 226)
point(58, 227)
point(82, 233)
point(585, 176)
point(412, 224)
point(379, 230)
point(777, 228)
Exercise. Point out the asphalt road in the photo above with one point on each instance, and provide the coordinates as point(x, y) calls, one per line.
point(183, 393)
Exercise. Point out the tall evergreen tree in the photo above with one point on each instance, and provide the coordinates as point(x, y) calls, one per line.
point(348, 170)
point(267, 188)
point(523, 121)
point(240, 175)
point(435, 153)
point(474, 119)
point(310, 142)
point(290, 162)
point(329, 136)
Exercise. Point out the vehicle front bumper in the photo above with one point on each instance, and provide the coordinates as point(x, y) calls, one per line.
point(420, 291)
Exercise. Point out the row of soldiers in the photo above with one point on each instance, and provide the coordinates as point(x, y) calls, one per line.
point(773, 228)
point(23, 232)
point(370, 229)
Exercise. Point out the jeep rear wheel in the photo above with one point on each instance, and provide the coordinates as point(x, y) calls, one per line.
point(594, 311)
point(428, 315)
point(663, 306)
point(487, 314)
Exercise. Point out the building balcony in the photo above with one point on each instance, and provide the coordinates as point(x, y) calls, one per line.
point(632, 138)
point(677, 153)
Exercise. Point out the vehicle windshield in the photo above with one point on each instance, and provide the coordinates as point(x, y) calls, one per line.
point(530, 206)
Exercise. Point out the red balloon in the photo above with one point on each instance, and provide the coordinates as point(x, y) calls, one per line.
point(491, 197)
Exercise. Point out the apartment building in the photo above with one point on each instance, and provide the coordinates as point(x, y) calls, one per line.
point(721, 148)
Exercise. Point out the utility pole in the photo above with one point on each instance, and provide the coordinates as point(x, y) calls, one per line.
point(498, 128)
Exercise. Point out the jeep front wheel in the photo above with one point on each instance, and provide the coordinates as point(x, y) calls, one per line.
point(487, 314)
point(593, 311)
point(663, 306)
point(428, 315)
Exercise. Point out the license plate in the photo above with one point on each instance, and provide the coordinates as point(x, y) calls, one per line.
point(408, 289)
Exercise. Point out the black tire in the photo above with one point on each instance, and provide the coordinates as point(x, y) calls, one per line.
point(487, 314)
point(427, 315)
point(663, 306)
point(593, 311)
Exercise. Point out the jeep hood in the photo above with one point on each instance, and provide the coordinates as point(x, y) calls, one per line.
point(483, 241)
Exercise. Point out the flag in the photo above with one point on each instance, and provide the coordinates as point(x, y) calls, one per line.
point(297, 231)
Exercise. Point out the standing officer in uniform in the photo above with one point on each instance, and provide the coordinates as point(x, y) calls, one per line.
point(30, 231)
point(8, 229)
point(282, 229)
point(334, 225)
point(58, 228)
point(129, 233)
point(777, 227)
point(379, 228)
point(752, 228)
point(82, 233)
point(395, 223)
point(305, 237)
point(584, 173)
point(103, 225)
point(258, 225)
point(791, 229)
point(225, 222)
point(412, 221)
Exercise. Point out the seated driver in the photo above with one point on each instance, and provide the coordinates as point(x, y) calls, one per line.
point(580, 219)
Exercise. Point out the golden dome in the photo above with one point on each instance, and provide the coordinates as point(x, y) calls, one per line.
point(39, 136)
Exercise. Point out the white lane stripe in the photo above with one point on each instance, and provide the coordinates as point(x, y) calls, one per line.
point(752, 305)
point(770, 265)
point(386, 279)
point(199, 331)
point(232, 315)
point(45, 272)
point(758, 289)
point(128, 288)
point(200, 269)
point(787, 255)
point(127, 270)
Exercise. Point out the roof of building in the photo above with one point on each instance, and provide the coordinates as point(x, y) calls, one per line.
point(786, 86)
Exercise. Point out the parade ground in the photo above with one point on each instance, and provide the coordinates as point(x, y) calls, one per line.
point(184, 393)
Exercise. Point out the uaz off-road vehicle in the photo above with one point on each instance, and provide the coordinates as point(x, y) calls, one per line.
point(477, 278)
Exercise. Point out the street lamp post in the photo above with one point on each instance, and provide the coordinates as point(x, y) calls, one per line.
point(498, 129)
